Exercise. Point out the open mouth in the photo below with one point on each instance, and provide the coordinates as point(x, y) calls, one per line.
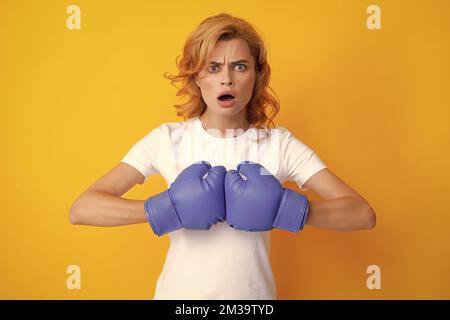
point(226, 97)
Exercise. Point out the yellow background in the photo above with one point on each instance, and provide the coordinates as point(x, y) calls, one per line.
point(373, 104)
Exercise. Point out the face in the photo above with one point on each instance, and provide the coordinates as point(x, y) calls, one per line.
point(225, 72)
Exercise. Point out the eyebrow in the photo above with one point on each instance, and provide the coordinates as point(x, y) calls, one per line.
point(232, 62)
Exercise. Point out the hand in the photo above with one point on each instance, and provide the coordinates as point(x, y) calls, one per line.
point(193, 201)
point(259, 202)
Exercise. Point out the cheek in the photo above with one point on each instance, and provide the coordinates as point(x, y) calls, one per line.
point(209, 95)
point(207, 89)
point(248, 85)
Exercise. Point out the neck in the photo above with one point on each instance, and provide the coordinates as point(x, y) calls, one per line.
point(221, 124)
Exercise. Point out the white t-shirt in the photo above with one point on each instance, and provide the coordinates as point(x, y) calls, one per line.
point(219, 263)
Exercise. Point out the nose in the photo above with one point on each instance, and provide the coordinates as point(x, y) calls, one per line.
point(227, 82)
point(226, 78)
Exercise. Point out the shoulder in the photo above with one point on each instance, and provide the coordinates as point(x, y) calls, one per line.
point(269, 133)
point(171, 130)
point(279, 131)
point(284, 137)
point(177, 125)
point(279, 136)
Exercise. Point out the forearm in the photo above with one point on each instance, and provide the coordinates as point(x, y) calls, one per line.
point(344, 214)
point(106, 210)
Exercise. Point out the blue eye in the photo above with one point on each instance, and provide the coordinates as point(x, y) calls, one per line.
point(240, 64)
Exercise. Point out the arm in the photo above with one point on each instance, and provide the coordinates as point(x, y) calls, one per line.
point(102, 205)
point(106, 210)
point(344, 214)
point(342, 208)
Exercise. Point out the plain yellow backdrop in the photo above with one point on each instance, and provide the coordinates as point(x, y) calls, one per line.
point(373, 104)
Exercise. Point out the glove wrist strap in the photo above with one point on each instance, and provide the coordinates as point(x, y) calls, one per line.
point(161, 214)
point(292, 211)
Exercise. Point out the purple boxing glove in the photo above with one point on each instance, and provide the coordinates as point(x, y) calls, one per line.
point(259, 202)
point(195, 200)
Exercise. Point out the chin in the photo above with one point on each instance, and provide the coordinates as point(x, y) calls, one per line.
point(228, 113)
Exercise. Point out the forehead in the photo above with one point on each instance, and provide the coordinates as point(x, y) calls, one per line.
point(233, 49)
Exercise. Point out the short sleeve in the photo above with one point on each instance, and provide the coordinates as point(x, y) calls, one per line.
point(143, 154)
point(301, 162)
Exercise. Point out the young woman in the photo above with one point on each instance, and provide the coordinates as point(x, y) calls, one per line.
point(219, 218)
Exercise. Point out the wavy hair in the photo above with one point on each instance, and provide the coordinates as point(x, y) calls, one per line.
point(264, 103)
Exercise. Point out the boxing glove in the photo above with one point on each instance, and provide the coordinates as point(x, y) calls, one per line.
point(195, 200)
point(256, 201)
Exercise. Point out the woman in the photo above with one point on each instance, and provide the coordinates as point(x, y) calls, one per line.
point(225, 74)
